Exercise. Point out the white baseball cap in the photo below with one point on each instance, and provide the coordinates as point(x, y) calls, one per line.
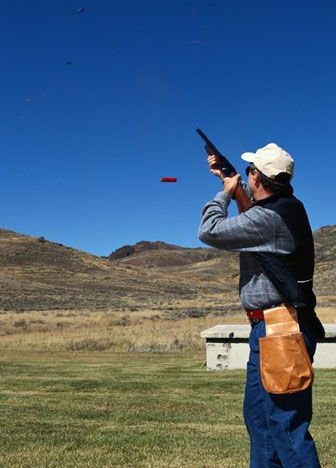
point(271, 160)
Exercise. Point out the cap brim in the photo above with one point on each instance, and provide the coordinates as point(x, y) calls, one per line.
point(249, 157)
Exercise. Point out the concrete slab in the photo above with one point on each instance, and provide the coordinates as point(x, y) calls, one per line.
point(227, 347)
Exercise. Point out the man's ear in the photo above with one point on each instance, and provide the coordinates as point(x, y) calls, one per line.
point(256, 178)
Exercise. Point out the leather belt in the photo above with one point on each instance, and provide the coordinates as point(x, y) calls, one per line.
point(255, 314)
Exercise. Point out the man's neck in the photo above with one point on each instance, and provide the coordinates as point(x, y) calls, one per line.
point(261, 194)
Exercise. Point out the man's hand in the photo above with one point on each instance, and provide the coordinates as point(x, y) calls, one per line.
point(230, 183)
point(213, 161)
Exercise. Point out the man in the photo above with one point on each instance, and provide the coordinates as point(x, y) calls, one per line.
point(276, 226)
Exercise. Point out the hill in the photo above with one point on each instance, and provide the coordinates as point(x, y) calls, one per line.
point(325, 272)
point(37, 274)
point(160, 254)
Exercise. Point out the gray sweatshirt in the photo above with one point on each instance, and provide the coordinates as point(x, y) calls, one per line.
point(259, 229)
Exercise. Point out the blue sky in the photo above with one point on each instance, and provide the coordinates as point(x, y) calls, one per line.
point(84, 146)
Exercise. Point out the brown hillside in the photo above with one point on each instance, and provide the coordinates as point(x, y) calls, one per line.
point(325, 271)
point(37, 274)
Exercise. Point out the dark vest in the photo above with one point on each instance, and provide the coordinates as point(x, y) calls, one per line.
point(291, 273)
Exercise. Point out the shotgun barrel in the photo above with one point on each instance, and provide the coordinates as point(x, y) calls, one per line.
point(241, 197)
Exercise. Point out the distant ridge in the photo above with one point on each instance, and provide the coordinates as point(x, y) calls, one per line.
point(37, 274)
point(161, 254)
point(142, 246)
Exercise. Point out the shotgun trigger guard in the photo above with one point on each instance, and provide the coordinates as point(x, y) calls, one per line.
point(225, 170)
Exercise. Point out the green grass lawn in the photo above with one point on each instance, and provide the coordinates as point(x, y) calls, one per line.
point(149, 410)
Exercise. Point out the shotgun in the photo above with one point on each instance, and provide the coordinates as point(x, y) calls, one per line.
point(241, 197)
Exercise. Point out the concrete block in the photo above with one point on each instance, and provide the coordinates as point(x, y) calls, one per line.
point(227, 347)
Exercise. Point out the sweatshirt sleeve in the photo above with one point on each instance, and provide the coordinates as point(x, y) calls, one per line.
point(251, 231)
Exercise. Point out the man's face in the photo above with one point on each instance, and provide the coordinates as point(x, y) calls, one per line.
point(252, 175)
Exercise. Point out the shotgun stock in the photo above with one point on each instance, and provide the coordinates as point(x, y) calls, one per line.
point(228, 170)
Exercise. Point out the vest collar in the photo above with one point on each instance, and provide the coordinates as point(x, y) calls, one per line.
point(273, 198)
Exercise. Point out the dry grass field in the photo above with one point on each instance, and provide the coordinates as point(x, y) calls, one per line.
point(144, 330)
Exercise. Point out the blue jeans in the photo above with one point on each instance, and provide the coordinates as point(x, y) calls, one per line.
point(277, 424)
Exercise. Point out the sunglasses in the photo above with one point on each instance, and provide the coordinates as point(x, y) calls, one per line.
point(251, 168)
